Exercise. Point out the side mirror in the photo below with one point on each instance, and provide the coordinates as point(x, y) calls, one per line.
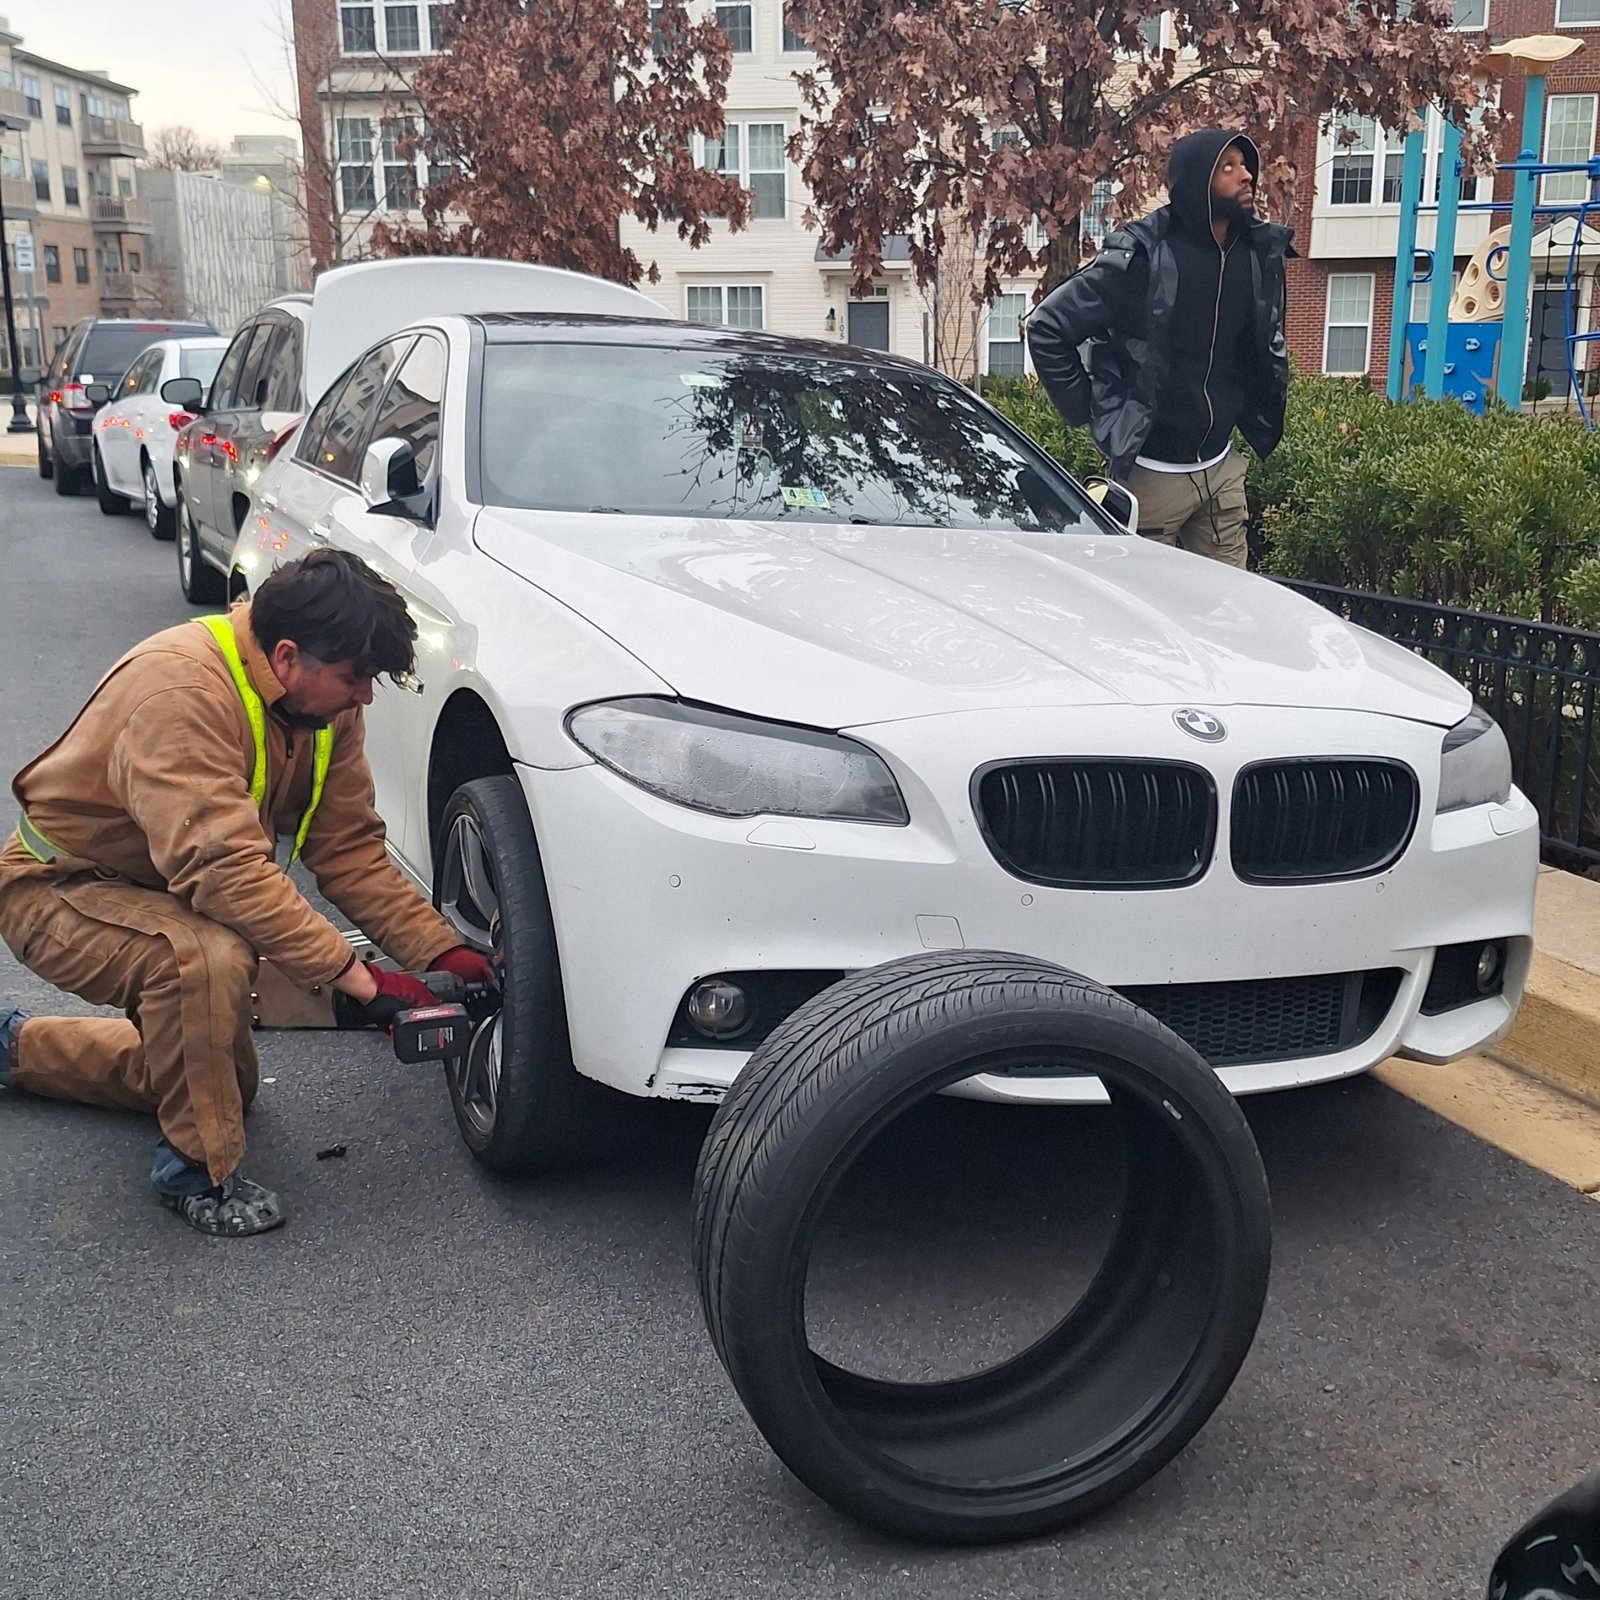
point(389, 477)
point(1120, 503)
point(97, 394)
point(1556, 1554)
point(185, 393)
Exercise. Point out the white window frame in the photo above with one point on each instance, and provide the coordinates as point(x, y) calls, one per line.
point(1092, 222)
point(1387, 146)
point(1568, 22)
point(748, 6)
point(1579, 181)
point(1158, 22)
point(721, 289)
point(785, 34)
point(742, 170)
point(383, 135)
point(1328, 324)
point(989, 340)
point(427, 44)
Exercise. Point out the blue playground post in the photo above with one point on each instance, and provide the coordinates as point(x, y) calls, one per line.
point(1519, 253)
point(1444, 260)
point(1405, 257)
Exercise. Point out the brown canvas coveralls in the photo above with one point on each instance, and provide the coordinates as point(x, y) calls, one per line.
point(170, 891)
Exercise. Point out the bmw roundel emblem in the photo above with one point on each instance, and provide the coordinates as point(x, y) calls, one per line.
point(1200, 724)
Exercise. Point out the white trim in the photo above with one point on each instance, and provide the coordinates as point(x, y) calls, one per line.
point(1580, 181)
point(426, 44)
point(1562, 22)
point(1328, 325)
point(722, 286)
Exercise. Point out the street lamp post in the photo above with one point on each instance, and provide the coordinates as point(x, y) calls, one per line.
point(19, 407)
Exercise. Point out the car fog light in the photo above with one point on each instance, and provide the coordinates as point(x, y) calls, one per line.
point(719, 1009)
point(1488, 968)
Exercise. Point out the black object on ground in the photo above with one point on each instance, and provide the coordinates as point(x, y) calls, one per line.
point(1109, 1395)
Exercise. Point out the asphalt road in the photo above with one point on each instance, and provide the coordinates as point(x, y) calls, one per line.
point(432, 1383)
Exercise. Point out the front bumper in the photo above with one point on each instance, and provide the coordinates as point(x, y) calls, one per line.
point(648, 896)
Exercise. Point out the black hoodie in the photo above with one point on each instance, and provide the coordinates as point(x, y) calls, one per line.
point(1208, 352)
point(1123, 305)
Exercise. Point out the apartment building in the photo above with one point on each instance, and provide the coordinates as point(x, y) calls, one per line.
point(67, 175)
point(353, 62)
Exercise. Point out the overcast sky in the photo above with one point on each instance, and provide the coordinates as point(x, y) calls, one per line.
point(217, 65)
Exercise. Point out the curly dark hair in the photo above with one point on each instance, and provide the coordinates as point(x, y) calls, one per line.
point(335, 607)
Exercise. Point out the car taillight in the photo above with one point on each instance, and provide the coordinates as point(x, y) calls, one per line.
point(55, 397)
point(281, 438)
point(179, 420)
point(75, 399)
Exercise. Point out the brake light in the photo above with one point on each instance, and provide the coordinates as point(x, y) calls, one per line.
point(179, 420)
point(75, 398)
point(55, 397)
point(281, 438)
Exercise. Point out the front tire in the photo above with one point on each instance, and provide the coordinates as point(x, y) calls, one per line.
point(520, 1104)
point(159, 518)
point(111, 503)
point(201, 585)
point(1104, 1399)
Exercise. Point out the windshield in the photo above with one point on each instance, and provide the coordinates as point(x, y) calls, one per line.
point(201, 363)
point(109, 351)
point(756, 434)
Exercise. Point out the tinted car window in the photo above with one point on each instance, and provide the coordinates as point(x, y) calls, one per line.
point(138, 374)
point(410, 408)
point(340, 449)
point(282, 371)
point(227, 380)
point(310, 446)
point(201, 364)
point(758, 434)
point(112, 347)
point(247, 397)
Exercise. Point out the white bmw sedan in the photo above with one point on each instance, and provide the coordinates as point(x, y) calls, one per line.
point(134, 432)
point(747, 662)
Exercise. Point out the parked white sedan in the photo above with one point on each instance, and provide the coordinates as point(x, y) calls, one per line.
point(135, 430)
point(747, 662)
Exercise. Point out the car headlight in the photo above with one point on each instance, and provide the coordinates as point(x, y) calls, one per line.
point(1474, 764)
point(737, 766)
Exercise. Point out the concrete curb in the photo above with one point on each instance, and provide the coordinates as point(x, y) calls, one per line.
point(1556, 1036)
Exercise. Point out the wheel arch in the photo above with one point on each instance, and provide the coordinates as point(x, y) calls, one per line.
point(467, 744)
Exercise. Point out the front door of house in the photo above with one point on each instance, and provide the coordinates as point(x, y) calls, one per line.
point(869, 324)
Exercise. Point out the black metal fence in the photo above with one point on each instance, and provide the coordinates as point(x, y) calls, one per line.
point(1537, 680)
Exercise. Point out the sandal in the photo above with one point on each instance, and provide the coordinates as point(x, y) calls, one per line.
point(233, 1209)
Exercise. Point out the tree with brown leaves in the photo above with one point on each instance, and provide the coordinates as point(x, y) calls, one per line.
point(181, 149)
point(550, 121)
point(903, 110)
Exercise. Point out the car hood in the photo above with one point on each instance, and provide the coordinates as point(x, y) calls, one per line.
point(838, 625)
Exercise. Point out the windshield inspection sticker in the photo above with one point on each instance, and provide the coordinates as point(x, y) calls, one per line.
point(700, 380)
point(803, 497)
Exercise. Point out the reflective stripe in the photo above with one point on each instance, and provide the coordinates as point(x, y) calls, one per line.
point(35, 843)
point(255, 709)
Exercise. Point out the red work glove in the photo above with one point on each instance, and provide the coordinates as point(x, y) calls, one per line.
point(465, 963)
point(397, 992)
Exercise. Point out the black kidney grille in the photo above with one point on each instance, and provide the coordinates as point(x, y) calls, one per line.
point(1299, 821)
point(1091, 823)
point(1266, 1019)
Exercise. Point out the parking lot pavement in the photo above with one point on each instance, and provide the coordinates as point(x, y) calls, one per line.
point(433, 1383)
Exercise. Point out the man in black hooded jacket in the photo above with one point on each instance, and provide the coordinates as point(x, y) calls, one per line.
point(1183, 311)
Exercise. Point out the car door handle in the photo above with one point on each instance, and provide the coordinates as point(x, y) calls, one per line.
point(321, 532)
point(270, 501)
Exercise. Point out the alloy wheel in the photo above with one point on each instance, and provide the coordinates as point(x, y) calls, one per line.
point(470, 902)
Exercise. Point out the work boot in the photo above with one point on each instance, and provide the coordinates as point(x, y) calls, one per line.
point(10, 1020)
point(234, 1208)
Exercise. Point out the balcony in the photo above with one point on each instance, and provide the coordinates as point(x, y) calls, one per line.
point(18, 198)
point(116, 289)
point(110, 136)
point(112, 213)
point(13, 108)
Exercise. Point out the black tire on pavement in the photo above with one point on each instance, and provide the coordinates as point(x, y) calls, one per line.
point(111, 503)
point(1106, 1398)
point(520, 1104)
point(46, 465)
point(159, 517)
point(202, 585)
point(66, 477)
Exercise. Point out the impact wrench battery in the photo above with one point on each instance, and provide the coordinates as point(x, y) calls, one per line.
point(442, 1031)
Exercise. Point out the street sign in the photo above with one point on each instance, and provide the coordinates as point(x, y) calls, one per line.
point(23, 248)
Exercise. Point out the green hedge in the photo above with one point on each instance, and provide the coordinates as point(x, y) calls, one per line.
point(1424, 500)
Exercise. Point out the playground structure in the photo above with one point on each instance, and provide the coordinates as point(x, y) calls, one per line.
point(1482, 327)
